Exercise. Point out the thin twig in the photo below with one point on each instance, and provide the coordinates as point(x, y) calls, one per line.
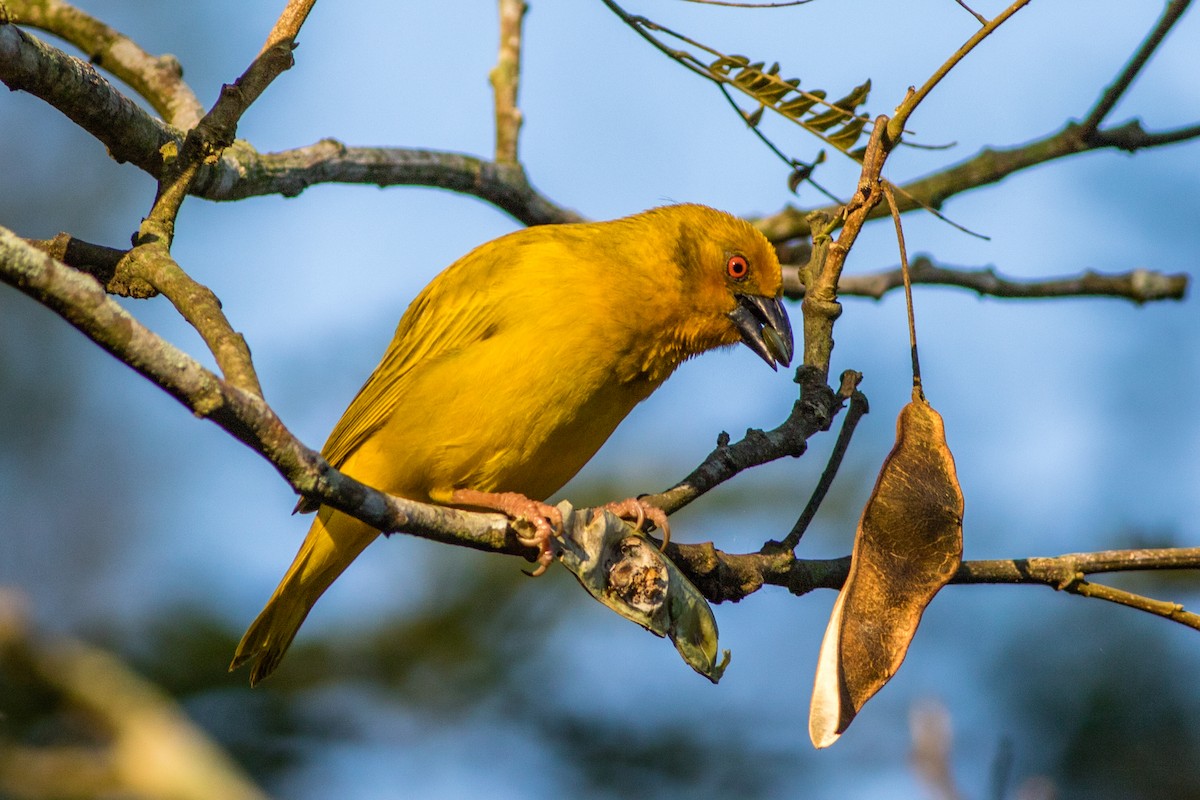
point(505, 78)
point(989, 166)
point(250, 174)
point(734, 4)
point(797, 166)
point(982, 19)
point(857, 409)
point(1066, 573)
point(914, 98)
point(287, 27)
point(820, 306)
point(150, 258)
point(1113, 93)
point(905, 274)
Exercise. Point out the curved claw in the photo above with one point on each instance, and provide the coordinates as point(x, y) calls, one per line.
point(638, 511)
point(546, 520)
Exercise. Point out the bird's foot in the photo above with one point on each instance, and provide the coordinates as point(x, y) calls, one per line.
point(546, 520)
point(637, 511)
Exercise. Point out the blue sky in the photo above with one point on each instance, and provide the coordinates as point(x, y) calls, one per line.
point(1075, 424)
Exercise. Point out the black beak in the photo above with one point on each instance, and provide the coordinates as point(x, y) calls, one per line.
point(764, 327)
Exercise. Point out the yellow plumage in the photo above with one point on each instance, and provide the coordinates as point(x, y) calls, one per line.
point(512, 367)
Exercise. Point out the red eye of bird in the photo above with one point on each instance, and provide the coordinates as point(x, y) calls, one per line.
point(737, 267)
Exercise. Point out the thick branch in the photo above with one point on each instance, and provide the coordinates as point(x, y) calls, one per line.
point(1138, 286)
point(724, 576)
point(87, 99)
point(80, 300)
point(131, 134)
point(158, 79)
point(246, 173)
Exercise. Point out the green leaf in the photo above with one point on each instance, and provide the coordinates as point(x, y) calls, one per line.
point(850, 133)
point(724, 64)
point(795, 109)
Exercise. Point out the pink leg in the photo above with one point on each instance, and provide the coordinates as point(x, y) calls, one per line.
point(638, 512)
point(546, 519)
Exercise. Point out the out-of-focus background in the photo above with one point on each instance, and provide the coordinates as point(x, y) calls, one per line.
point(430, 671)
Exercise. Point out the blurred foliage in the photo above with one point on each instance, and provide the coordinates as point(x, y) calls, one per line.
point(1091, 712)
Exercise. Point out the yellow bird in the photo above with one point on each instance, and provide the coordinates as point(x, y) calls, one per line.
point(517, 362)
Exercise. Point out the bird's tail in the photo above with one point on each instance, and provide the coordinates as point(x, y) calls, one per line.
point(334, 540)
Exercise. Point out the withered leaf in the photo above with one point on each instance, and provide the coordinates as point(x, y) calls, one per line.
point(908, 545)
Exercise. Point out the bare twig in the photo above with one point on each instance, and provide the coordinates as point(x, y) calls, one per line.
point(857, 409)
point(505, 78)
point(150, 258)
point(982, 19)
point(249, 174)
point(1066, 573)
point(1113, 93)
point(287, 27)
point(132, 135)
point(904, 110)
point(820, 305)
point(989, 166)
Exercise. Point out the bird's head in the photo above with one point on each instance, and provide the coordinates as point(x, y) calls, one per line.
point(734, 283)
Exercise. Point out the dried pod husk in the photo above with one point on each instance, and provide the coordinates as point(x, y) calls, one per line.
point(908, 545)
point(625, 571)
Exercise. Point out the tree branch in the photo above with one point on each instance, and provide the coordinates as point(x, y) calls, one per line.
point(813, 412)
point(247, 173)
point(1138, 286)
point(85, 97)
point(990, 165)
point(158, 79)
point(898, 121)
point(505, 79)
point(287, 27)
point(1111, 95)
point(130, 134)
point(81, 301)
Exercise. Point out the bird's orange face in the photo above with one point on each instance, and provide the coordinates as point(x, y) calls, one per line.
point(739, 285)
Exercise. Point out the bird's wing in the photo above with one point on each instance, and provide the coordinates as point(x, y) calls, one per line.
point(447, 316)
